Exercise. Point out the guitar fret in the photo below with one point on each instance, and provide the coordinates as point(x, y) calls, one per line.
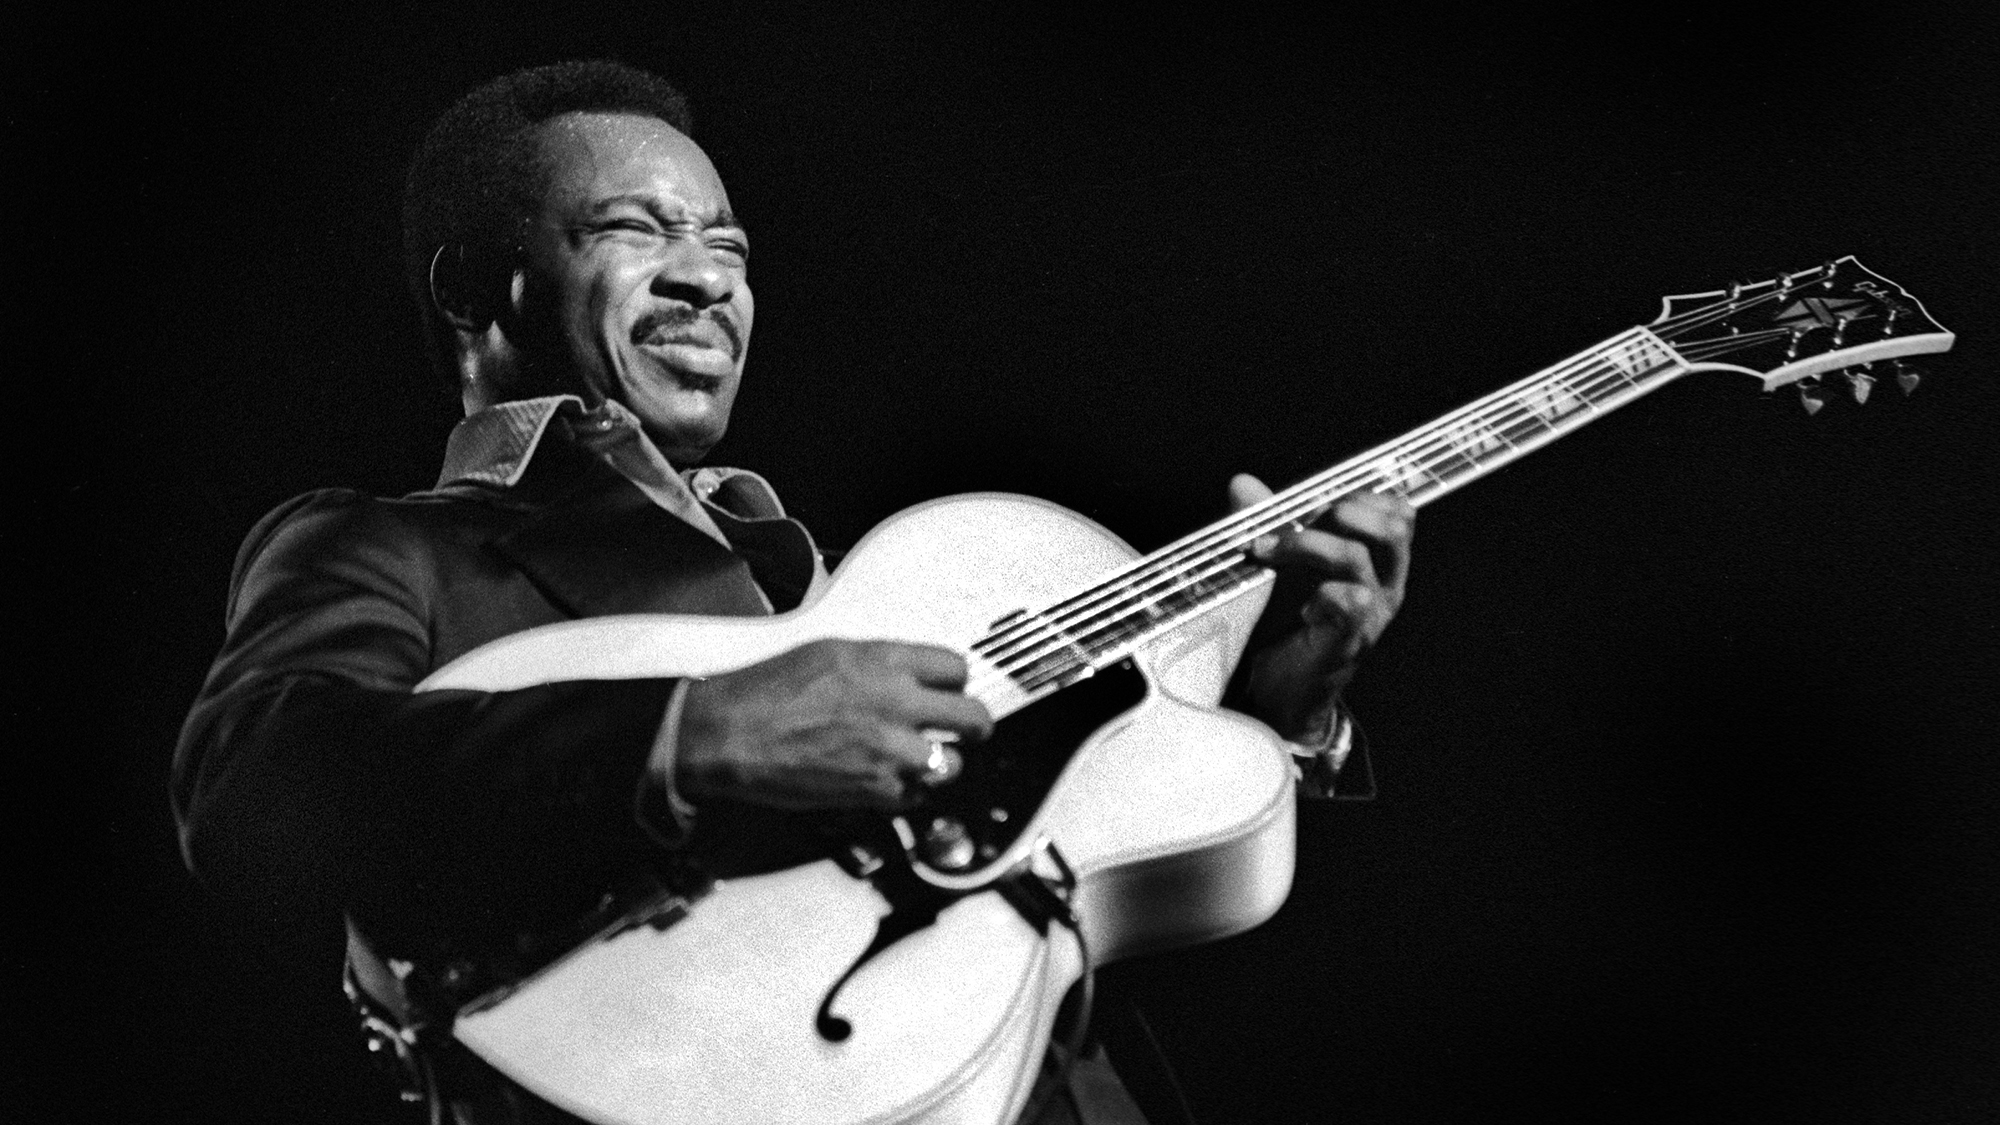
point(1640, 355)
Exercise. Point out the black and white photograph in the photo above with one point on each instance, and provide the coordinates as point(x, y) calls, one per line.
point(1341, 565)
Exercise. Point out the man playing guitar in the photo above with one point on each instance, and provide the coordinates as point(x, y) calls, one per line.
point(586, 287)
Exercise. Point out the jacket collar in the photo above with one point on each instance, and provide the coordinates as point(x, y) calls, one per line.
point(613, 528)
point(601, 546)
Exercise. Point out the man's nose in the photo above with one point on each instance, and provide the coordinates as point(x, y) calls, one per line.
point(692, 273)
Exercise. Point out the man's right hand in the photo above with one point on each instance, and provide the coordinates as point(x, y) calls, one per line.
point(831, 724)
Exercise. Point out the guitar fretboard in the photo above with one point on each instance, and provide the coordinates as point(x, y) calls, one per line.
point(1044, 650)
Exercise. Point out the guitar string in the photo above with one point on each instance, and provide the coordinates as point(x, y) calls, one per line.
point(1418, 455)
point(1082, 629)
point(1113, 626)
point(1082, 639)
point(1404, 449)
point(1107, 637)
point(1086, 627)
point(1444, 430)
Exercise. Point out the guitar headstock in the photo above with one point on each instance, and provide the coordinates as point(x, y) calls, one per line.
point(1797, 327)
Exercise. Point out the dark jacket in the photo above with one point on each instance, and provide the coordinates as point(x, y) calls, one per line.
point(310, 776)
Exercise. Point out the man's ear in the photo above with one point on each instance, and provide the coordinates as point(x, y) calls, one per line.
point(467, 290)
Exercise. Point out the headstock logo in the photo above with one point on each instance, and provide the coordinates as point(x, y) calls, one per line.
point(1892, 301)
point(1819, 312)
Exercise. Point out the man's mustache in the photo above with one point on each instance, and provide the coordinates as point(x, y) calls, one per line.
point(663, 325)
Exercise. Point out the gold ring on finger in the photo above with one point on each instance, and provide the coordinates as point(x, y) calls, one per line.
point(943, 764)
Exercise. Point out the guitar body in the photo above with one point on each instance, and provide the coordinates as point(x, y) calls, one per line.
point(1177, 819)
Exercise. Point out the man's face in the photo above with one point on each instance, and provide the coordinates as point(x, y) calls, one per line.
point(635, 277)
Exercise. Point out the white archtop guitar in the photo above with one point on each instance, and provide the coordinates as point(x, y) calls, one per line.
point(917, 978)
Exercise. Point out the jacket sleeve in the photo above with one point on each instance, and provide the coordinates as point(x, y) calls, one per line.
point(309, 774)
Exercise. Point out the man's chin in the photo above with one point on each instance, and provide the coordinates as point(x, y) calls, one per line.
point(684, 454)
point(686, 427)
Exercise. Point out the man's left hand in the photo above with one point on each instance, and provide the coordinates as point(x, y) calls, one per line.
point(1358, 551)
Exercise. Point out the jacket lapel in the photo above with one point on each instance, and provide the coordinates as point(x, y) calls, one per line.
point(780, 554)
point(604, 548)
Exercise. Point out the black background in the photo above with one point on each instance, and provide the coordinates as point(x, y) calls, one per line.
point(1685, 734)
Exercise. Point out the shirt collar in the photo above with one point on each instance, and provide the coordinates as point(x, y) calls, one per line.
point(492, 447)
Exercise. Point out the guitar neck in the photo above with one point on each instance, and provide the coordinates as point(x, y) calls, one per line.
point(1790, 329)
point(1046, 650)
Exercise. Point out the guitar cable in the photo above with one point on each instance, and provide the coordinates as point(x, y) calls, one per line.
point(1053, 902)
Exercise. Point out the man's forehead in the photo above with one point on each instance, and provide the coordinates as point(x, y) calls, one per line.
point(597, 157)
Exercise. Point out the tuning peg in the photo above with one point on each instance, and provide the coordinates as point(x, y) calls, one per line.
point(1907, 377)
point(1810, 396)
point(1860, 382)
